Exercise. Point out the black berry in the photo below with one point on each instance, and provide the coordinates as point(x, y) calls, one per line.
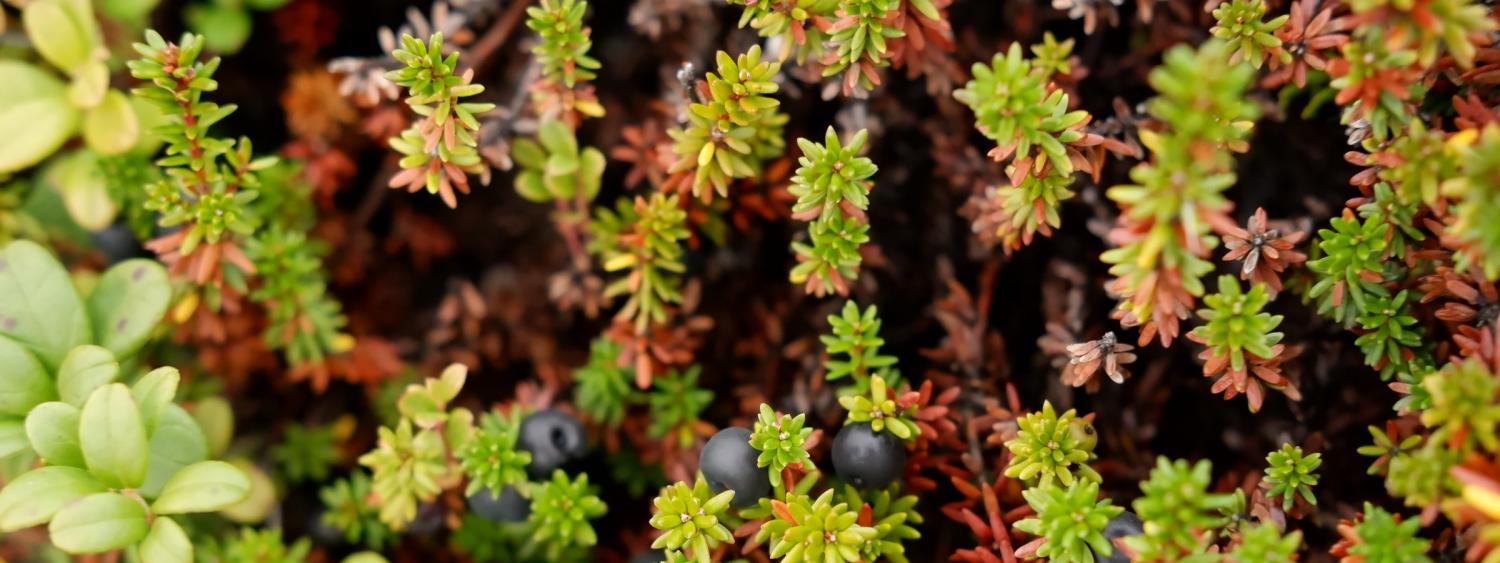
point(867, 459)
point(728, 463)
point(428, 521)
point(508, 506)
point(1123, 524)
point(554, 438)
point(116, 242)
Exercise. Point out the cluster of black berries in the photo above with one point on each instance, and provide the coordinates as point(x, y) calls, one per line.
point(862, 457)
point(554, 439)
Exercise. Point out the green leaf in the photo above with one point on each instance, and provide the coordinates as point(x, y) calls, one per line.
point(62, 37)
point(84, 370)
point(129, 301)
point(154, 392)
point(39, 308)
point(113, 437)
point(35, 496)
point(111, 128)
point(24, 383)
point(129, 11)
point(98, 523)
point(166, 543)
point(12, 437)
point(90, 82)
point(202, 487)
point(52, 429)
point(224, 29)
point(261, 500)
point(216, 420)
point(34, 101)
point(177, 443)
point(77, 178)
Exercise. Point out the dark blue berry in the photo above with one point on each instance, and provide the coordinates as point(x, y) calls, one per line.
point(508, 506)
point(728, 464)
point(1123, 524)
point(554, 438)
point(867, 459)
point(428, 521)
point(116, 242)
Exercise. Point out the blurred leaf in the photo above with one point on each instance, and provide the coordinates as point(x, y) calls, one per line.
point(39, 308)
point(111, 127)
point(34, 497)
point(216, 420)
point(224, 29)
point(77, 178)
point(86, 369)
point(90, 82)
point(202, 487)
point(177, 443)
point(63, 37)
point(167, 543)
point(24, 383)
point(113, 438)
point(34, 101)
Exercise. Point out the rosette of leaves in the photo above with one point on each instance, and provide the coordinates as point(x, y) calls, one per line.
point(1071, 519)
point(1385, 205)
point(832, 185)
point(1052, 57)
point(262, 546)
point(1385, 538)
point(1476, 217)
point(1014, 107)
point(491, 459)
point(1375, 79)
point(554, 168)
point(643, 237)
point(65, 33)
point(1251, 38)
point(734, 126)
point(560, 513)
point(415, 460)
point(122, 462)
point(347, 508)
point(1390, 332)
point(604, 391)
point(675, 400)
point(1464, 412)
point(438, 151)
point(1386, 445)
point(690, 519)
point(1164, 227)
point(1424, 160)
point(483, 540)
point(226, 23)
point(854, 346)
point(882, 411)
point(857, 43)
point(305, 453)
point(1349, 273)
point(781, 440)
point(833, 259)
point(1050, 448)
point(1424, 29)
point(807, 529)
point(1178, 513)
point(1421, 476)
point(1238, 338)
point(893, 516)
point(796, 22)
point(305, 321)
point(1030, 207)
point(1291, 474)
point(564, 47)
point(1264, 543)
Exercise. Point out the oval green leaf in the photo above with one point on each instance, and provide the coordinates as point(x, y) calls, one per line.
point(52, 429)
point(12, 437)
point(35, 496)
point(176, 443)
point(167, 543)
point(24, 383)
point(34, 101)
point(60, 37)
point(129, 301)
point(97, 523)
point(85, 194)
point(113, 437)
point(39, 308)
point(153, 393)
point(205, 486)
point(111, 128)
point(84, 370)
